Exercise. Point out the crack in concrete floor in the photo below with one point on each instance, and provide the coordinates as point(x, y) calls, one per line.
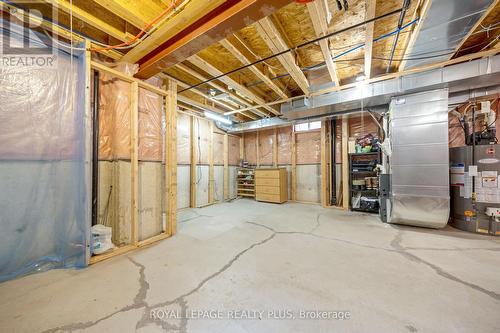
point(140, 298)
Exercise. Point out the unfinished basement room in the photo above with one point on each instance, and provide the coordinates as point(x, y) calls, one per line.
point(253, 166)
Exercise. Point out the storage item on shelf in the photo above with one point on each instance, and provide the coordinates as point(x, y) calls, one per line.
point(271, 185)
point(246, 182)
point(364, 181)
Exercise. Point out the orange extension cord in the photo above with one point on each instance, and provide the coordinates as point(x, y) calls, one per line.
point(142, 32)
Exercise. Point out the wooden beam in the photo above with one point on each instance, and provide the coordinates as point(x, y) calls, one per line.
point(318, 13)
point(244, 60)
point(211, 178)
point(294, 165)
point(89, 125)
point(226, 166)
point(210, 69)
point(194, 159)
point(200, 77)
point(258, 149)
point(476, 26)
point(137, 13)
point(90, 19)
point(192, 12)
point(345, 163)
point(324, 164)
point(217, 24)
point(421, 12)
point(270, 34)
point(171, 156)
point(134, 161)
point(369, 15)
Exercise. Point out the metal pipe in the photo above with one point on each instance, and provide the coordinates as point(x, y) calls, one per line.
point(95, 149)
point(406, 5)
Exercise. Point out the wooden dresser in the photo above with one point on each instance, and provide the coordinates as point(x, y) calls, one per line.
point(271, 185)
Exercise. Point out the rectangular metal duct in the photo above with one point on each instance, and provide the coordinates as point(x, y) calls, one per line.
point(418, 132)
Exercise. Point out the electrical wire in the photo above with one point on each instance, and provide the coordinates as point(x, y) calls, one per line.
point(313, 41)
point(142, 32)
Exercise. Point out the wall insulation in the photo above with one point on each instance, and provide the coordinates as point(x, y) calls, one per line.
point(308, 166)
point(44, 163)
point(183, 160)
point(202, 147)
point(234, 162)
point(114, 159)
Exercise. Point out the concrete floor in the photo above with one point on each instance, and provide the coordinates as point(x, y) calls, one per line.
point(253, 256)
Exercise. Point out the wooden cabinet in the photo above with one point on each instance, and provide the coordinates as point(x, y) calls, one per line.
point(271, 185)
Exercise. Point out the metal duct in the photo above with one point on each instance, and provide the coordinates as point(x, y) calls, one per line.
point(460, 77)
point(446, 24)
point(419, 161)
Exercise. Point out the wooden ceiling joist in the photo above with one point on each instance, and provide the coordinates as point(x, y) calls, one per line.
point(218, 87)
point(210, 69)
point(370, 15)
point(318, 13)
point(477, 26)
point(223, 104)
point(137, 13)
point(270, 34)
point(227, 18)
point(244, 60)
point(90, 19)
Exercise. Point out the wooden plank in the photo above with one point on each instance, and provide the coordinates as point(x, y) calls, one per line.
point(275, 148)
point(210, 69)
point(294, 165)
point(258, 149)
point(270, 34)
point(218, 87)
point(244, 60)
point(134, 168)
point(128, 78)
point(211, 177)
point(171, 156)
point(194, 159)
point(476, 26)
point(324, 165)
point(370, 14)
point(345, 163)
point(90, 19)
point(171, 27)
point(226, 166)
point(318, 13)
point(242, 146)
point(110, 254)
point(137, 13)
point(153, 239)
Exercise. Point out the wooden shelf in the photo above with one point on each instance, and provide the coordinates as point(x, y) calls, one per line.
point(246, 182)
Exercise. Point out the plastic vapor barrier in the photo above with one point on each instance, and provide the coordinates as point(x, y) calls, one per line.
point(285, 146)
point(250, 147)
point(308, 147)
point(234, 150)
point(44, 198)
point(266, 139)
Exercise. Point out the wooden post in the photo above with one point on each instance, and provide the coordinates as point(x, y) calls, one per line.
point(211, 178)
point(294, 165)
point(194, 158)
point(134, 168)
point(324, 168)
point(275, 148)
point(226, 166)
point(171, 156)
point(258, 149)
point(242, 146)
point(345, 164)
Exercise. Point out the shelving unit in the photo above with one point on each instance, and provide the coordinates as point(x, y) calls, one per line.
point(246, 182)
point(364, 195)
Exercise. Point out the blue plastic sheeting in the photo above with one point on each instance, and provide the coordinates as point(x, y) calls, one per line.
point(44, 201)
